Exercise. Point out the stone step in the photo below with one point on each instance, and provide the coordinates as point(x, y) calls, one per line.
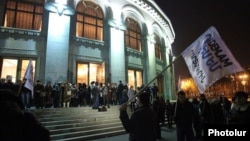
point(114, 132)
point(80, 123)
point(90, 133)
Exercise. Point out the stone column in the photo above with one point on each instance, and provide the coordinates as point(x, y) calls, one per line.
point(118, 69)
point(57, 48)
point(150, 59)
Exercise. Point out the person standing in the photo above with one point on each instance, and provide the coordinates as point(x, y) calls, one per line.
point(119, 92)
point(105, 92)
point(157, 107)
point(39, 94)
point(114, 94)
point(240, 111)
point(66, 93)
point(95, 92)
point(154, 90)
point(90, 96)
point(142, 126)
point(25, 95)
point(48, 92)
point(184, 117)
point(205, 112)
point(131, 98)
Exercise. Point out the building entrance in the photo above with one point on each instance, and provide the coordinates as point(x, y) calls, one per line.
point(88, 72)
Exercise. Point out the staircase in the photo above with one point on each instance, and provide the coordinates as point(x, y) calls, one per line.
point(80, 123)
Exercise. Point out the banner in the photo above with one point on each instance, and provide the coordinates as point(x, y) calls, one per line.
point(29, 84)
point(208, 59)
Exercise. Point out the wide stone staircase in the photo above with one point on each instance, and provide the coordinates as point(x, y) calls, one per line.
point(80, 123)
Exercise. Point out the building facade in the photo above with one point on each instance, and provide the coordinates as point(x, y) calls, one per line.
point(88, 40)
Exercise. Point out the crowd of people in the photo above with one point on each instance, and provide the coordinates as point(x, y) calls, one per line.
point(66, 94)
point(190, 116)
point(149, 111)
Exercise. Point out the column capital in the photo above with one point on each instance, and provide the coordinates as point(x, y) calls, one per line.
point(150, 38)
point(117, 24)
point(61, 7)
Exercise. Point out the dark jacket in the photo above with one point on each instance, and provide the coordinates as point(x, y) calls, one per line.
point(185, 114)
point(16, 124)
point(142, 125)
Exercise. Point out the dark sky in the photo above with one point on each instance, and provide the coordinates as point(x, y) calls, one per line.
point(190, 18)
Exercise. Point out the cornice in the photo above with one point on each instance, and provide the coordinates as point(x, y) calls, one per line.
point(20, 31)
point(88, 41)
point(156, 13)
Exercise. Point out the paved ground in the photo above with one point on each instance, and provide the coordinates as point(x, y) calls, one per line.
point(167, 135)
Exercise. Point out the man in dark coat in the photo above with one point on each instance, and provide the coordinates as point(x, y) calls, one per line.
point(17, 124)
point(184, 117)
point(142, 126)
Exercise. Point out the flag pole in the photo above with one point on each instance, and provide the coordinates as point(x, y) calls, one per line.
point(19, 89)
point(171, 63)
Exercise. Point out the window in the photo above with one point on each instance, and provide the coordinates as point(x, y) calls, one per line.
point(87, 72)
point(25, 14)
point(89, 20)
point(134, 78)
point(157, 47)
point(14, 69)
point(133, 34)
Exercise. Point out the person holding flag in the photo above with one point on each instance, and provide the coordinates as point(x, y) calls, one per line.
point(27, 86)
point(25, 95)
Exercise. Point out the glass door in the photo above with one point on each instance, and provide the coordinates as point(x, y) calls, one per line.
point(88, 72)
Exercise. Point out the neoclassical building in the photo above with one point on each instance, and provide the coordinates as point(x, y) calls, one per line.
point(88, 40)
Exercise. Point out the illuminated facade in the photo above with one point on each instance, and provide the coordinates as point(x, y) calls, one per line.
point(87, 40)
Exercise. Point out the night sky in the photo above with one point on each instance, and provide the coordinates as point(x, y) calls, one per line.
point(190, 18)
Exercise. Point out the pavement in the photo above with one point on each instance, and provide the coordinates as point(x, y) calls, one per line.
point(166, 133)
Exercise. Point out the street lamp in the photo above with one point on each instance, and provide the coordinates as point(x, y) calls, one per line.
point(185, 85)
point(244, 80)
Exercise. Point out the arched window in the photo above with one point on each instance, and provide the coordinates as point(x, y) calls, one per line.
point(89, 20)
point(157, 47)
point(133, 34)
point(25, 14)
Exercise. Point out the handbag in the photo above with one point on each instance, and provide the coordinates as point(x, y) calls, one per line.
point(69, 92)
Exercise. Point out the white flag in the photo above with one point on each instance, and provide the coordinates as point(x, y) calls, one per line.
point(29, 84)
point(208, 59)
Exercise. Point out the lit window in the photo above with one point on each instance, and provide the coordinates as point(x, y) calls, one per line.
point(157, 47)
point(11, 68)
point(88, 72)
point(134, 78)
point(133, 34)
point(25, 14)
point(89, 21)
